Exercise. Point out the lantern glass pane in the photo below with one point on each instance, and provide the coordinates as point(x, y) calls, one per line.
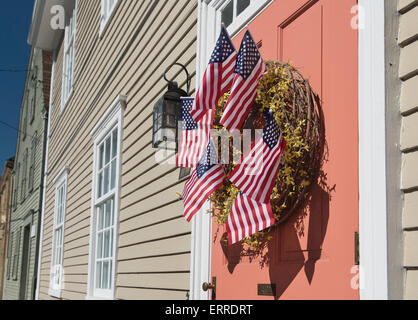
point(159, 123)
point(158, 137)
point(171, 121)
point(171, 107)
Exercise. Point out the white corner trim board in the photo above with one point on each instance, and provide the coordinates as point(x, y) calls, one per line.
point(372, 153)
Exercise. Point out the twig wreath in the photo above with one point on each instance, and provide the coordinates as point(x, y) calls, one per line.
point(297, 111)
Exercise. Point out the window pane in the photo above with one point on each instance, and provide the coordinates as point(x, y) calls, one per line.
point(100, 185)
point(106, 180)
point(228, 13)
point(100, 246)
point(100, 222)
point(109, 214)
point(242, 5)
point(105, 283)
point(111, 243)
point(107, 151)
point(106, 246)
point(114, 143)
point(98, 275)
point(113, 175)
point(101, 155)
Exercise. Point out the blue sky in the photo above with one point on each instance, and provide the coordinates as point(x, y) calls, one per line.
point(15, 18)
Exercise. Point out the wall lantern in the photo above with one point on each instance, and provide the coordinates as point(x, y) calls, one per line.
point(167, 114)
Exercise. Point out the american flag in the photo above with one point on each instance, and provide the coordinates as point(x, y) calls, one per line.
point(256, 174)
point(218, 76)
point(194, 136)
point(249, 69)
point(205, 179)
point(248, 217)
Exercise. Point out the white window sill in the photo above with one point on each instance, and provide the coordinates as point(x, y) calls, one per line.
point(55, 293)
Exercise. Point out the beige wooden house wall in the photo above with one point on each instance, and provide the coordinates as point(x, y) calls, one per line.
point(142, 39)
point(408, 73)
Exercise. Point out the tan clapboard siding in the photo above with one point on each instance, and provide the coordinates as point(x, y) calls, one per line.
point(170, 281)
point(148, 203)
point(405, 5)
point(171, 212)
point(409, 96)
point(409, 171)
point(411, 289)
point(179, 263)
point(408, 73)
point(153, 233)
point(408, 30)
point(410, 210)
point(149, 294)
point(409, 62)
point(411, 253)
point(155, 248)
point(160, 230)
point(409, 132)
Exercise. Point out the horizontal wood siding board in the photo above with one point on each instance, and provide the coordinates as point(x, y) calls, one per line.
point(169, 246)
point(179, 263)
point(169, 281)
point(124, 293)
point(409, 96)
point(161, 230)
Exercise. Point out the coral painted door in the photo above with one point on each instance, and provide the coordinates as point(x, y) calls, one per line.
point(312, 255)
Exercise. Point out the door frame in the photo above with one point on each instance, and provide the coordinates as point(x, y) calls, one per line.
point(372, 152)
point(373, 280)
point(208, 28)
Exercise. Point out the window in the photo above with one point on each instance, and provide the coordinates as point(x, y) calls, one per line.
point(24, 176)
point(68, 63)
point(58, 233)
point(16, 254)
point(105, 202)
point(25, 116)
point(108, 7)
point(16, 186)
point(33, 95)
point(32, 162)
point(236, 13)
point(9, 255)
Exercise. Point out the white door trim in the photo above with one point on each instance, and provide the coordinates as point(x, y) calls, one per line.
point(201, 239)
point(208, 29)
point(372, 152)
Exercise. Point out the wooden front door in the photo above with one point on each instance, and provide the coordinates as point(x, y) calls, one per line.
point(312, 255)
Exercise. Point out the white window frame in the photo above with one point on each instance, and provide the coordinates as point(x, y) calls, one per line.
point(69, 59)
point(111, 120)
point(245, 17)
point(106, 14)
point(61, 181)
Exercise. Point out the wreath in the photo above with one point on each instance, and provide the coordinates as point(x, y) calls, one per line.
point(297, 111)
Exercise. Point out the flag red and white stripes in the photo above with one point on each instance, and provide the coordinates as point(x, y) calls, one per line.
point(205, 179)
point(218, 77)
point(256, 174)
point(248, 217)
point(194, 136)
point(249, 69)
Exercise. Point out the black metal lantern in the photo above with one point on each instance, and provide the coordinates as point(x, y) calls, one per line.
point(167, 114)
